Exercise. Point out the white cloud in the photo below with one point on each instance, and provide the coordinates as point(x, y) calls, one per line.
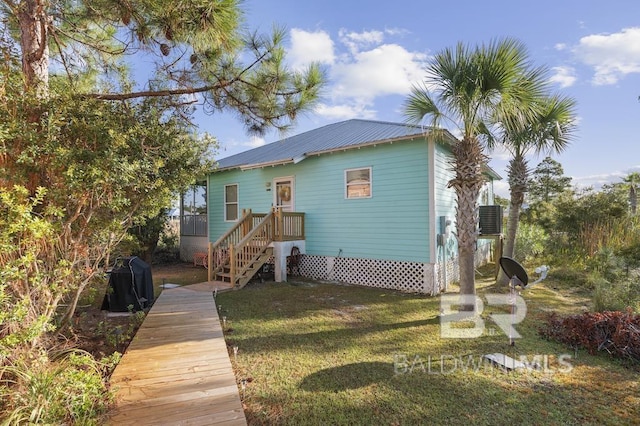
point(345, 111)
point(500, 152)
point(564, 76)
point(596, 181)
point(253, 142)
point(385, 70)
point(361, 67)
point(560, 46)
point(356, 41)
point(307, 47)
point(611, 55)
point(501, 188)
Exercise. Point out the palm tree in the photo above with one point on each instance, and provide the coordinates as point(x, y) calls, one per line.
point(470, 88)
point(551, 131)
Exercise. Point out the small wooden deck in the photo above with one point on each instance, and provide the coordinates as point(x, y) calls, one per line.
point(177, 369)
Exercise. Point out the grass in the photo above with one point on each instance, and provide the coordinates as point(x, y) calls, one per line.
point(180, 273)
point(320, 353)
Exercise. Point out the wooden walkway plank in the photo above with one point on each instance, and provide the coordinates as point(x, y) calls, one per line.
point(177, 369)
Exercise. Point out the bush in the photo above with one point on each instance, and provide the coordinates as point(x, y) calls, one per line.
point(66, 388)
point(615, 332)
point(531, 241)
point(608, 296)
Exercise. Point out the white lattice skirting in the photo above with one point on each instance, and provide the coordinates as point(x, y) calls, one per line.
point(414, 277)
point(410, 277)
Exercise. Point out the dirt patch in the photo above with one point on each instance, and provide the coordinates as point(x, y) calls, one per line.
point(102, 333)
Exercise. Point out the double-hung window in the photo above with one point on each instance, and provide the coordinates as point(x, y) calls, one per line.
point(231, 202)
point(358, 183)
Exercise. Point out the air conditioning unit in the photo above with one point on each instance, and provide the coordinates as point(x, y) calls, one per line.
point(490, 220)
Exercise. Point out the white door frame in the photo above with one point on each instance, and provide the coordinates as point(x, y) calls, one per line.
point(292, 181)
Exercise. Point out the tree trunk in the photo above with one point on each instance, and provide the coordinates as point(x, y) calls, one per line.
point(34, 31)
point(510, 239)
point(468, 162)
point(518, 176)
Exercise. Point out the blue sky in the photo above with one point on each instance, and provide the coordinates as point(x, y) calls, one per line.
point(373, 51)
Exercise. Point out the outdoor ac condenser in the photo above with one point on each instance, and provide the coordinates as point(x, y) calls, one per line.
point(490, 220)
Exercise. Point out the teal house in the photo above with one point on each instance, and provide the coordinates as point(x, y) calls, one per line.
point(363, 202)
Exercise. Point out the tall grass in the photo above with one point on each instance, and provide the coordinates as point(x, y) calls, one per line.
point(60, 388)
point(613, 234)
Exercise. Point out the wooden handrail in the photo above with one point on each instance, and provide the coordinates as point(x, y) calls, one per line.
point(218, 251)
point(289, 226)
point(252, 246)
point(245, 241)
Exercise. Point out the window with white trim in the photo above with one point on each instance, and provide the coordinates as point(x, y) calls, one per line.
point(358, 183)
point(231, 202)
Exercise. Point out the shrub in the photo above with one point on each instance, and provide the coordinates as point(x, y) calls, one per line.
point(615, 332)
point(65, 388)
point(531, 241)
point(608, 296)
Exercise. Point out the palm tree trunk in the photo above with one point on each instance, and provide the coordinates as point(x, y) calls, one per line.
point(518, 175)
point(510, 239)
point(467, 162)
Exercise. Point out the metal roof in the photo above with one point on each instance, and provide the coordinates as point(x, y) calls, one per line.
point(332, 137)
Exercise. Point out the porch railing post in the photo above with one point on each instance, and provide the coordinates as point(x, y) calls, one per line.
point(210, 261)
point(279, 225)
point(247, 223)
point(232, 265)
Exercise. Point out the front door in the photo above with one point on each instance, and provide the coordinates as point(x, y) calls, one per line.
point(283, 196)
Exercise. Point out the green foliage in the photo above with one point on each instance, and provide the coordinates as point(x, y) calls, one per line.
point(616, 296)
point(33, 278)
point(117, 335)
point(548, 181)
point(106, 166)
point(62, 388)
point(147, 235)
point(594, 235)
point(530, 242)
point(501, 201)
point(197, 49)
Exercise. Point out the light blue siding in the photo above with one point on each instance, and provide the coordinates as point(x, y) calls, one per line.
point(392, 225)
point(445, 198)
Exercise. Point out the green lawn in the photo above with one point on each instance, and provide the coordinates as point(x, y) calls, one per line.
point(314, 353)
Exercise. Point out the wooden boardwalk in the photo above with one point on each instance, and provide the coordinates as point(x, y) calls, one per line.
point(177, 369)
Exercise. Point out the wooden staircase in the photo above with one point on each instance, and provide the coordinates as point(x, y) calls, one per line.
point(247, 246)
point(241, 251)
point(240, 281)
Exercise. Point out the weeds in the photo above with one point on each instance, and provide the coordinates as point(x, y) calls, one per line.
point(62, 387)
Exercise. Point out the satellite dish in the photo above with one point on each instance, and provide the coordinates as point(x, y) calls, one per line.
point(514, 271)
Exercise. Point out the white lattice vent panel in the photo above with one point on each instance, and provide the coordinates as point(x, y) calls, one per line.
point(412, 277)
point(450, 271)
